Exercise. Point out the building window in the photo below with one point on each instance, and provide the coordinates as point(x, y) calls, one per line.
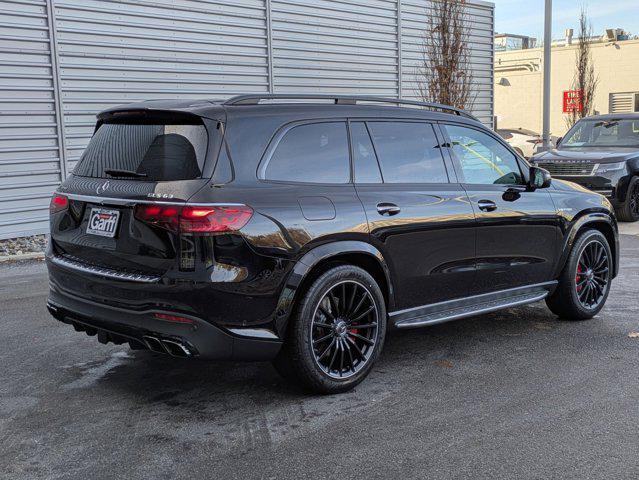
point(624, 102)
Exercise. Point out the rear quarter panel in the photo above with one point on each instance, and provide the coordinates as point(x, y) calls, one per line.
point(578, 207)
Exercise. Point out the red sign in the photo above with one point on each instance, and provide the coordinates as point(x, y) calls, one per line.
point(573, 101)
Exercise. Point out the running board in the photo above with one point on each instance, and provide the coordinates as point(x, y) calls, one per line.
point(467, 307)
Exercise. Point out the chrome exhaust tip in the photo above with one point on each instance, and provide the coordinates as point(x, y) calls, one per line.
point(176, 349)
point(154, 344)
point(171, 347)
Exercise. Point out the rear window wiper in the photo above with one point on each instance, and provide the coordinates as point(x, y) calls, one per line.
point(123, 173)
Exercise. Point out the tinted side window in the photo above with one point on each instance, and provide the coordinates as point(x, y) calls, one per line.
point(481, 158)
point(365, 164)
point(408, 152)
point(316, 153)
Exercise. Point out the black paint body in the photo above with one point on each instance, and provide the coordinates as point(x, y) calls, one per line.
point(439, 247)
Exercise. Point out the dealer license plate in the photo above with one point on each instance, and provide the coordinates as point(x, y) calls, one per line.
point(103, 222)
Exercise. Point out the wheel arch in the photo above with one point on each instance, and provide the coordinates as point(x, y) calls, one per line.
point(603, 222)
point(624, 183)
point(320, 259)
point(633, 166)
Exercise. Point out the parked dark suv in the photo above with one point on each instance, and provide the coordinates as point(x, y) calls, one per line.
point(291, 229)
point(601, 153)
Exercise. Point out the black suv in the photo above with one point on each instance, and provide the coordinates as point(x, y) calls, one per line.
point(299, 230)
point(602, 154)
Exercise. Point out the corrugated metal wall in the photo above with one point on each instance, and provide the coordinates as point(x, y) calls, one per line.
point(329, 46)
point(481, 22)
point(30, 144)
point(81, 56)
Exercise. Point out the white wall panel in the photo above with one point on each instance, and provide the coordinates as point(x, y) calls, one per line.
point(29, 142)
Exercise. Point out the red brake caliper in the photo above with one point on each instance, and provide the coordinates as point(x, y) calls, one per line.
point(577, 277)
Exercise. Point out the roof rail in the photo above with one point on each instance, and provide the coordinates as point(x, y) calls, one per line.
point(255, 99)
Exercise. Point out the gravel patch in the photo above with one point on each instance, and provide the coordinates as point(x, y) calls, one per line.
point(22, 245)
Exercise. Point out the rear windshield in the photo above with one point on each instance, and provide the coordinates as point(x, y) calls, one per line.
point(146, 152)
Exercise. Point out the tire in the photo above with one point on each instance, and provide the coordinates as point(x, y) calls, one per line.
point(628, 211)
point(321, 313)
point(580, 273)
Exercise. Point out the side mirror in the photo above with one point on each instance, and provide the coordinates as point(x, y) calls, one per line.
point(539, 178)
point(558, 141)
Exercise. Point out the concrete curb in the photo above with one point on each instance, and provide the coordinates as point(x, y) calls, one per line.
point(22, 257)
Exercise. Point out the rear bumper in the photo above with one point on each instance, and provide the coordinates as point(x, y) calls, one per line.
point(142, 330)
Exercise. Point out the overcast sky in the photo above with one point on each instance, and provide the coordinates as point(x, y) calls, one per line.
point(526, 17)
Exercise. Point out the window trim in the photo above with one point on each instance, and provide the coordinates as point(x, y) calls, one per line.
point(277, 138)
point(438, 137)
point(455, 159)
point(352, 150)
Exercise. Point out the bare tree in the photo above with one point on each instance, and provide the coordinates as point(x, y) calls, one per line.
point(585, 80)
point(444, 74)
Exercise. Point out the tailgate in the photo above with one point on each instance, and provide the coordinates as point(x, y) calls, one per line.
point(133, 159)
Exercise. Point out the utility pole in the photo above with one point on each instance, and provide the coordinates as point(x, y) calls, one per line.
point(547, 47)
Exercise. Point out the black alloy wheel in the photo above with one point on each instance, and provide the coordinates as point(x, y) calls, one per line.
point(336, 333)
point(584, 283)
point(344, 329)
point(592, 275)
point(633, 199)
point(628, 211)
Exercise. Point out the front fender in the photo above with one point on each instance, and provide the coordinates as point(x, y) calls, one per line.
point(598, 218)
point(623, 182)
point(633, 166)
point(313, 258)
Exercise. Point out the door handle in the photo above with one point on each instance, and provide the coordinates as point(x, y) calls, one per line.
point(388, 209)
point(487, 205)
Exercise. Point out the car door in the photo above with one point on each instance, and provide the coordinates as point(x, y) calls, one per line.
point(418, 218)
point(517, 228)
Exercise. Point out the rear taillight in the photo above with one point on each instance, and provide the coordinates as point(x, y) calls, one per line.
point(194, 219)
point(58, 203)
point(160, 215)
point(214, 219)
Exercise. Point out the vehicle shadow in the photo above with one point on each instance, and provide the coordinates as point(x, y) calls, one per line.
point(178, 382)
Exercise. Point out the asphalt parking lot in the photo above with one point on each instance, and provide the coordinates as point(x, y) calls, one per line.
point(515, 394)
